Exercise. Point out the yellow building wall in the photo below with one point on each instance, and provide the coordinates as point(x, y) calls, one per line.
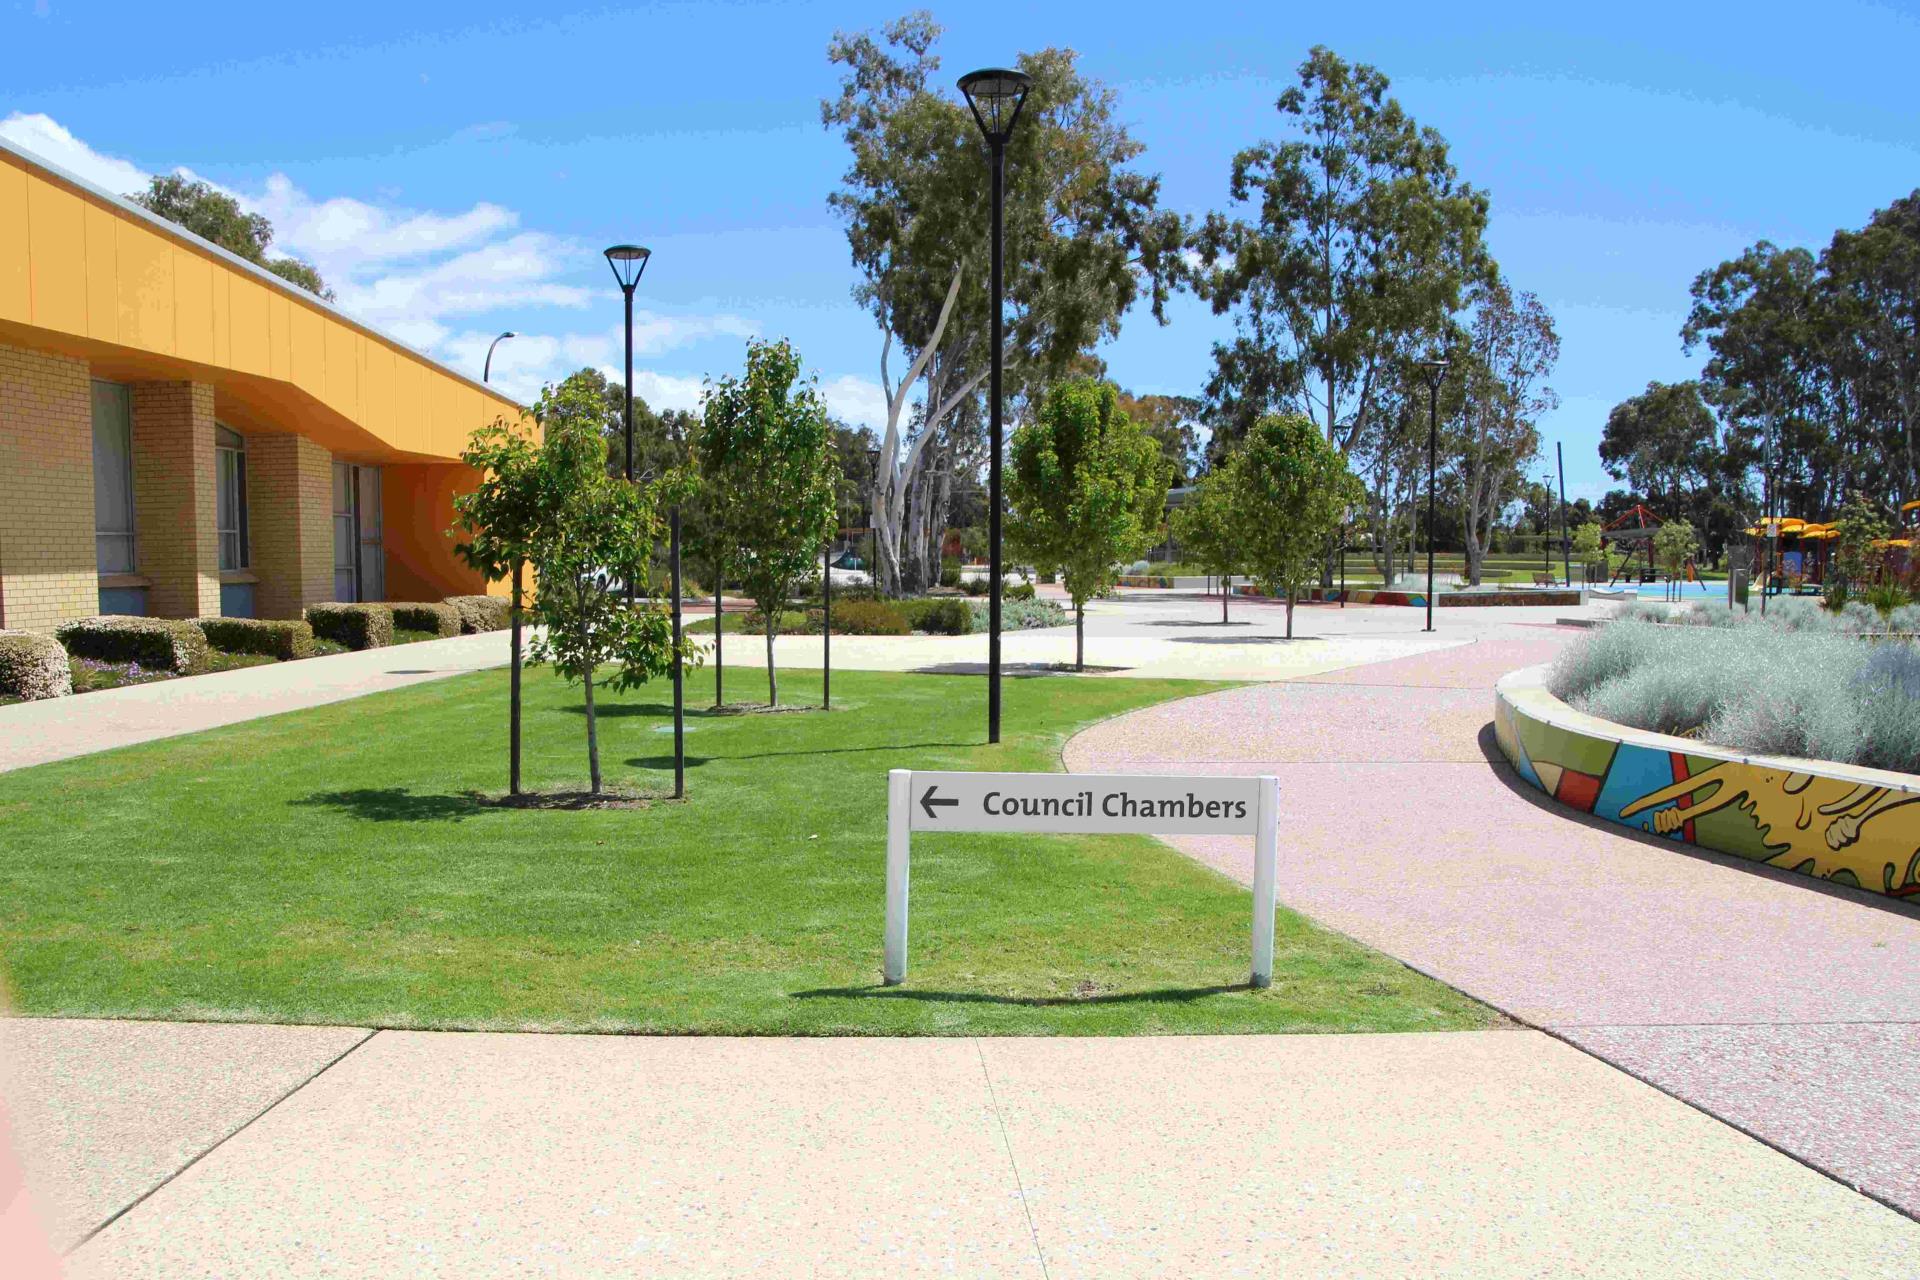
point(80, 276)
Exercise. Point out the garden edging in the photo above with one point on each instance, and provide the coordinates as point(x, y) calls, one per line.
point(1846, 823)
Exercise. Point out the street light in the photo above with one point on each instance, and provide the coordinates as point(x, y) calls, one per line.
point(1436, 374)
point(995, 97)
point(486, 370)
point(629, 262)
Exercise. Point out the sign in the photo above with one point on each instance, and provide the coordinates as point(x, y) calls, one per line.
point(1151, 804)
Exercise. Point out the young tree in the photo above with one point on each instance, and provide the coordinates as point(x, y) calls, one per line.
point(213, 215)
point(1673, 546)
point(597, 534)
point(1210, 532)
point(1589, 548)
point(1086, 487)
point(1856, 560)
point(766, 456)
point(1292, 488)
point(1090, 239)
point(498, 524)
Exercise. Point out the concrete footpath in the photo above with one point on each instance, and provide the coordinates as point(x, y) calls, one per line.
point(292, 1152)
point(1783, 1005)
point(59, 728)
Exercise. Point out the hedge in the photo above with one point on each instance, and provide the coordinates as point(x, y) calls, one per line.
point(482, 613)
point(33, 666)
point(943, 616)
point(865, 618)
point(357, 626)
point(280, 638)
point(441, 619)
point(158, 644)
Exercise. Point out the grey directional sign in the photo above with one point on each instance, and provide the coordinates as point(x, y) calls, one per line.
point(1093, 802)
point(1079, 802)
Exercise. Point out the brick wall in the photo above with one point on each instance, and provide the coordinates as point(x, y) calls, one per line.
point(178, 544)
point(290, 510)
point(46, 490)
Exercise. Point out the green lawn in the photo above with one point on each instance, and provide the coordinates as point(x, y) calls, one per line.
point(341, 865)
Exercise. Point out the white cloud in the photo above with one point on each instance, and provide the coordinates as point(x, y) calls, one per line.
point(46, 137)
point(426, 277)
point(858, 401)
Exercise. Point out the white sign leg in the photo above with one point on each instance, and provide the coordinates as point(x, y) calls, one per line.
point(899, 811)
point(1266, 836)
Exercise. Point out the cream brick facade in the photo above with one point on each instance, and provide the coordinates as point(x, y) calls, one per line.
point(290, 506)
point(46, 490)
point(178, 545)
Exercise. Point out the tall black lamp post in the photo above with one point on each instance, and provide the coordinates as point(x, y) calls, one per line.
point(1436, 374)
point(513, 711)
point(629, 262)
point(995, 96)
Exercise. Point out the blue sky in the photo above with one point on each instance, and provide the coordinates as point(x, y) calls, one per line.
point(455, 170)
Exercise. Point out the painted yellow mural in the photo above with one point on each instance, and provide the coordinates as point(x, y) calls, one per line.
point(1847, 826)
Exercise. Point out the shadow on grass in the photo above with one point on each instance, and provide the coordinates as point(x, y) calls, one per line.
point(398, 804)
point(1165, 995)
point(666, 762)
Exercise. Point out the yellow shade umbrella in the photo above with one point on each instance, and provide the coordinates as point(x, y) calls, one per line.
point(1911, 506)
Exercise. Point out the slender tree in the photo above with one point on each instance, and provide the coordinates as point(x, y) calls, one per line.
point(1086, 490)
point(1510, 350)
point(766, 456)
point(1292, 488)
point(597, 534)
point(1210, 531)
point(498, 525)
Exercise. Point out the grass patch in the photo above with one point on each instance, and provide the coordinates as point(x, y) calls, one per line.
point(350, 864)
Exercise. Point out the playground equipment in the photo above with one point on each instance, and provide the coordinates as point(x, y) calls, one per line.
point(1632, 533)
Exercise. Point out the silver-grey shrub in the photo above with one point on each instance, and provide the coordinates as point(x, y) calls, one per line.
point(33, 666)
point(1784, 688)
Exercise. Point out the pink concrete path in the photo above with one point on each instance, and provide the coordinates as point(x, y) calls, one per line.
point(1785, 1007)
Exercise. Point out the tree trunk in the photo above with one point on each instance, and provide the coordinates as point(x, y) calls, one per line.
point(593, 738)
point(1226, 589)
point(773, 688)
point(1289, 613)
point(719, 646)
point(513, 691)
point(1079, 636)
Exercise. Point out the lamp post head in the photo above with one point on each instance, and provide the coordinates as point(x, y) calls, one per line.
point(628, 262)
point(1436, 370)
point(995, 96)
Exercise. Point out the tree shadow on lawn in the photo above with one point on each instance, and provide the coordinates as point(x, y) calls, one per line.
point(666, 762)
point(399, 804)
point(1164, 995)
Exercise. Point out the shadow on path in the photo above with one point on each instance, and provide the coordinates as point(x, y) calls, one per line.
point(1167, 995)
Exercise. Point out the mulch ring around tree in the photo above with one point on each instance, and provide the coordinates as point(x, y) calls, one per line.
point(606, 798)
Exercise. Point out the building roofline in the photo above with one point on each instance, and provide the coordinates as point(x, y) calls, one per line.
point(227, 257)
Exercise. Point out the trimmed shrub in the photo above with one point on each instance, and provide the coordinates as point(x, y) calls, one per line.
point(33, 666)
point(441, 620)
point(282, 638)
point(865, 618)
point(1016, 591)
point(943, 616)
point(158, 644)
point(1025, 615)
point(357, 626)
point(482, 613)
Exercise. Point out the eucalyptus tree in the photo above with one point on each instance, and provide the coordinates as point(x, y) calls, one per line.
point(1089, 241)
point(1510, 350)
point(1360, 241)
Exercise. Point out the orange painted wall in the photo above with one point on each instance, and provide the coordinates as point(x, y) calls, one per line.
point(418, 510)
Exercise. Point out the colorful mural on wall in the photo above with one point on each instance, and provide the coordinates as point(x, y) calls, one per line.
point(1849, 830)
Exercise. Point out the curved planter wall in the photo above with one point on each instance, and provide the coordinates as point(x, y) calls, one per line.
point(1838, 822)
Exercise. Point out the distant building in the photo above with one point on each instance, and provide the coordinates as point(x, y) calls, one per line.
point(184, 434)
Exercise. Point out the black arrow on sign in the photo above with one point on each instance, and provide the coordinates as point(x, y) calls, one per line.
point(927, 802)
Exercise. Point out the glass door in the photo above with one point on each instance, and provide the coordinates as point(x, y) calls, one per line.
point(359, 556)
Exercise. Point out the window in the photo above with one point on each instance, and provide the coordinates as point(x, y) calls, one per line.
point(112, 478)
point(230, 501)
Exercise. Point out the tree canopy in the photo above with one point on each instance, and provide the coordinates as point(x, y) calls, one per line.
point(214, 215)
point(1292, 490)
point(1086, 487)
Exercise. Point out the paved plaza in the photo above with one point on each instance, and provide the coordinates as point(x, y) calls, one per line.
point(1687, 1088)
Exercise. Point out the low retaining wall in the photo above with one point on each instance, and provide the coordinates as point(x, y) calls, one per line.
point(1838, 822)
point(1418, 599)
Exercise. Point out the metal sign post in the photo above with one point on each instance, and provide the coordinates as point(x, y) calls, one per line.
point(1150, 804)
